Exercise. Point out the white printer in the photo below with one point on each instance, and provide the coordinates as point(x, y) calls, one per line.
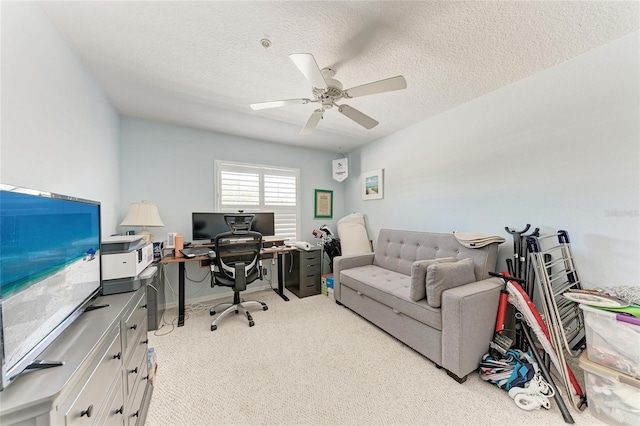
point(124, 257)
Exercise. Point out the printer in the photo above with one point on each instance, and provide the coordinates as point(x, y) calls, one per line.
point(124, 258)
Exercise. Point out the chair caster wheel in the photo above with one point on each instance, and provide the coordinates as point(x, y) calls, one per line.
point(251, 323)
point(214, 327)
point(265, 308)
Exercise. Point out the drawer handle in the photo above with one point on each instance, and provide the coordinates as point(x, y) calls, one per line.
point(146, 377)
point(134, 327)
point(144, 306)
point(118, 356)
point(87, 412)
point(134, 371)
point(359, 294)
point(144, 342)
point(120, 410)
point(136, 414)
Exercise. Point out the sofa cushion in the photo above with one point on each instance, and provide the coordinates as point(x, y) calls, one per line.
point(397, 250)
point(391, 289)
point(443, 276)
point(418, 288)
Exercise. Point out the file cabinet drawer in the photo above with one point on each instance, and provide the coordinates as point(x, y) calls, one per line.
point(310, 269)
point(312, 256)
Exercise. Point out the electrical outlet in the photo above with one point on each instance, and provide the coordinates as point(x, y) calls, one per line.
point(264, 271)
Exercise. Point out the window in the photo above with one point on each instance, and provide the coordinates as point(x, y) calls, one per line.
point(257, 188)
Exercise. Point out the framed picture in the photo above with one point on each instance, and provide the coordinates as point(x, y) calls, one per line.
point(323, 204)
point(373, 185)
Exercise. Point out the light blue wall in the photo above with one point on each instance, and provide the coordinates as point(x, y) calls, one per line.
point(59, 131)
point(559, 150)
point(172, 167)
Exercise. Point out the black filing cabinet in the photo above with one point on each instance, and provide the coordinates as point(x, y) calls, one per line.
point(302, 272)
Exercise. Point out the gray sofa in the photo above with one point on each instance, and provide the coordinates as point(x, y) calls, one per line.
point(454, 323)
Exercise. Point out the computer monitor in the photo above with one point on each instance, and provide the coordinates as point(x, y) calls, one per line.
point(205, 226)
point(264, 223)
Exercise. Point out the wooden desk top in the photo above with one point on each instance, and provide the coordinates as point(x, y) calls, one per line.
point(267, 250)
point(169, 258)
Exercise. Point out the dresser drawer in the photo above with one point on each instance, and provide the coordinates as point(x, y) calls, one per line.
point(113, 412)
point(134, 412)
point(138, 352)
point(133, 323)
point(84, 406)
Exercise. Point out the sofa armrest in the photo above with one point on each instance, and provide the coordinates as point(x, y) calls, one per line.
point(468, 323)
point(341, 263)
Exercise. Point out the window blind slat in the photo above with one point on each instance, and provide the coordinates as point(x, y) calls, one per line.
point(260, 188)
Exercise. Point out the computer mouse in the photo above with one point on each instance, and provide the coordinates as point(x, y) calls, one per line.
point(190, 255)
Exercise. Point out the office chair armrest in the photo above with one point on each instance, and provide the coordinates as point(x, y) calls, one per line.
point(241, 279)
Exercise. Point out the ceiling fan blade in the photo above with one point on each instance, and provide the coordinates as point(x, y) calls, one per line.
point(312, 122)
point(387, 85)
point(275, 104)
point(308, 66)
point(360, 118)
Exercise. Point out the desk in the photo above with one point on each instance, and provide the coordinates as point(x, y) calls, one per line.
point(181, 261)
point(280, 252)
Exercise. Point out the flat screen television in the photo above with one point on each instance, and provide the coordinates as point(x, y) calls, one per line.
point(205, 226)
point(49, 270)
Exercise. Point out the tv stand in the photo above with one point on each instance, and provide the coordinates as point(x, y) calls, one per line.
point(104, 378)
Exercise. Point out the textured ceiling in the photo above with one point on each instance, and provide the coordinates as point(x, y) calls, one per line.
point(200, 64)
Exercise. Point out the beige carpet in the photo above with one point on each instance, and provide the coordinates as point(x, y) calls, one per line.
point(312, 362)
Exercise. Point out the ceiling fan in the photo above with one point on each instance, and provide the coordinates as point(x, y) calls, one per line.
point(328, 91)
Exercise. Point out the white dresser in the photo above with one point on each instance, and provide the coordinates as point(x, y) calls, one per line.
point(104, 379)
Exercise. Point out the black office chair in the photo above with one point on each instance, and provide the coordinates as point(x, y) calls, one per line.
point(237, 263)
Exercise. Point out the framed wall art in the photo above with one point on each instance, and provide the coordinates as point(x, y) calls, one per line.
point(373, 185)
point(323, 204)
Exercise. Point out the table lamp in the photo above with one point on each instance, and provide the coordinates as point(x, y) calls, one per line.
point(143, 214)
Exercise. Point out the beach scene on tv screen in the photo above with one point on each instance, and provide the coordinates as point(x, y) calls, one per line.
point(49, 265)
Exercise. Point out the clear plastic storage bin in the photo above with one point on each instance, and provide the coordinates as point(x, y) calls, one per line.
point(611, 342)
point(613, 397)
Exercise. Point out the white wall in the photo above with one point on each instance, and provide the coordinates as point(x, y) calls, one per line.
point(172, 167)
point(559, 150)
point(59, 132)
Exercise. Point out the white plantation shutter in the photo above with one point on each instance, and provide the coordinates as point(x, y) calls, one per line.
point(257, 188)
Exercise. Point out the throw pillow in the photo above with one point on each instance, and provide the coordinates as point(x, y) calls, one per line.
point(443, 276)
point(418, 289)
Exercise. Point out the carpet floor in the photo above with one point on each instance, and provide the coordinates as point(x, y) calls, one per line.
point(312, 362)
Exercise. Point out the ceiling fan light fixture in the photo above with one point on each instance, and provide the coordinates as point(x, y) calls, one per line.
point(327, 91)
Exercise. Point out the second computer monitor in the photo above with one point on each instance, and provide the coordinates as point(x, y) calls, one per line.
point(205, 226)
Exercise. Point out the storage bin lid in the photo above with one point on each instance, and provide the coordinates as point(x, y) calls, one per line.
point(590, 366)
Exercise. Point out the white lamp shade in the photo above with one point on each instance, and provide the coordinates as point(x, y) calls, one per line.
point(142, 214)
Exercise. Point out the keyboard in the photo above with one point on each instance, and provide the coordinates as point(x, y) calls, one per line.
point(195, 251)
